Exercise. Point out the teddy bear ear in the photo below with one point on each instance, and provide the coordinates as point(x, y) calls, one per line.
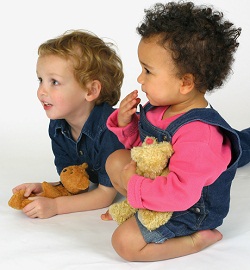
point(84, 165)
point(170, 151)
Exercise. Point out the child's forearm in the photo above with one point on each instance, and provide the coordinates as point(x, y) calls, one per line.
point(95, 199)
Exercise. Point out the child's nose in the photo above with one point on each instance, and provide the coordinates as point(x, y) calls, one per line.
point(139, 79)
point(41, 91)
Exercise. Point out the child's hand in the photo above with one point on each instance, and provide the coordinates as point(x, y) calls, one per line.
point(126, 173)
point(35, 188)
point(128, 108)
point(41, 207)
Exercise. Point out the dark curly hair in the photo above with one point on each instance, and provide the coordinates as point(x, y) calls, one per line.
point(202, 43)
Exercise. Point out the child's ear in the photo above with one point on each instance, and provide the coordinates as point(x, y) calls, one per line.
point(94, 89)
point(187, 83)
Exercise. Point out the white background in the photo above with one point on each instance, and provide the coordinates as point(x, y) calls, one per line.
point(25, 24)
point(82, 240)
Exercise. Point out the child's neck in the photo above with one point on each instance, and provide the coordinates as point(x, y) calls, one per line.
point(185, 107)
point(76, 124)
point(75, 132)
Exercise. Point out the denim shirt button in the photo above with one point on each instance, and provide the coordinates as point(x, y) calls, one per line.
point(80, 153)
point(197, 210)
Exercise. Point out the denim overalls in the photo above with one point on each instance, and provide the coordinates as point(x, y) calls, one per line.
point(213, 206)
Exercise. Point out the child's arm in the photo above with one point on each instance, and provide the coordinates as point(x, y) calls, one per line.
point(124, 121)
point(95, 199)
point(29, 188)
point(127, 108)
point(199, 159)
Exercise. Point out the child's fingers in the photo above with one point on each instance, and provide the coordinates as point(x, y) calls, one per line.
point(127, 108)
point(17, 189)
point(138, 100)
point(128, 105)
point(30, 189)
point(129, 98)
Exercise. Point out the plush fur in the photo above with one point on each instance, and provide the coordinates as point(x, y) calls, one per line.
point(73, 180)
point(152, 159)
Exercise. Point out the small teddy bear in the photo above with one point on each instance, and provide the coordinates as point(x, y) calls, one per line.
point(73, 180)
point(152, 160)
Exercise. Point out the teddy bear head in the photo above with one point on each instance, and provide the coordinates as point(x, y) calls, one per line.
point(151, 157)
point(75, 178)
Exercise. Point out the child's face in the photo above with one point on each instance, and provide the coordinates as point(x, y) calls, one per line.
point(60, 94)
point(158, 78)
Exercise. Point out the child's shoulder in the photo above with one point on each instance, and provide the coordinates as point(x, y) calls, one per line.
point(104, 110)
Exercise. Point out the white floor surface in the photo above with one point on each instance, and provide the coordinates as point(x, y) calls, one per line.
point(82, 240)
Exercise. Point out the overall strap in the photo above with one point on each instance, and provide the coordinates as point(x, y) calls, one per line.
point(212, 117)
point(146, 108)
point(206, 115)
point(147, 129)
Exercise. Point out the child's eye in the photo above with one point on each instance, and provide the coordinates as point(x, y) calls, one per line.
point(55, 82)
point(39, 80)
point(147, 71)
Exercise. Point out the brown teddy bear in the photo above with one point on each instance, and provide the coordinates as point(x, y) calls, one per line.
point(152, 160)
point(73, 180)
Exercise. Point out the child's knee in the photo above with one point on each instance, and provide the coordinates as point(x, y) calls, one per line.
point(128, 241)
point(112, 160)
point(123, 250)
point(116, 161)
point(119, 244)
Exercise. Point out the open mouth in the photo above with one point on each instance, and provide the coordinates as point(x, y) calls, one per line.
point(46, 105)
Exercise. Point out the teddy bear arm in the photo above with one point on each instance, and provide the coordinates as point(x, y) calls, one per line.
point(165, 172)
point(62, 190)
point(121, 211)
point(50, 191)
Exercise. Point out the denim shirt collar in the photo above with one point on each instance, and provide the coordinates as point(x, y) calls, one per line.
point(92, 125)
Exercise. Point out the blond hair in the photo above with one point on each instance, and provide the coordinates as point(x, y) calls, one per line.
point(92, 58)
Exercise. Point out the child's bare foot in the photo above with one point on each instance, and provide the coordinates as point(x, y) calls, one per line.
point(203, 239)
point(106, 216)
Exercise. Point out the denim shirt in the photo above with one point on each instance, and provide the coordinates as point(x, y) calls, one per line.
point(93, 146)
point(213, 205)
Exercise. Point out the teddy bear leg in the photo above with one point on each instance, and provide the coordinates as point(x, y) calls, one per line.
point(25, 202)
point(121, 211)
point(153, 219)
point(18, 201)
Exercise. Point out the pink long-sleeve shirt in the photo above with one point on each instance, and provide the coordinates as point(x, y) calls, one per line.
point(201, 154)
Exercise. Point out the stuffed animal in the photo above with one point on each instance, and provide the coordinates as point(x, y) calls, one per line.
point(73, 180)
point(152, 160)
